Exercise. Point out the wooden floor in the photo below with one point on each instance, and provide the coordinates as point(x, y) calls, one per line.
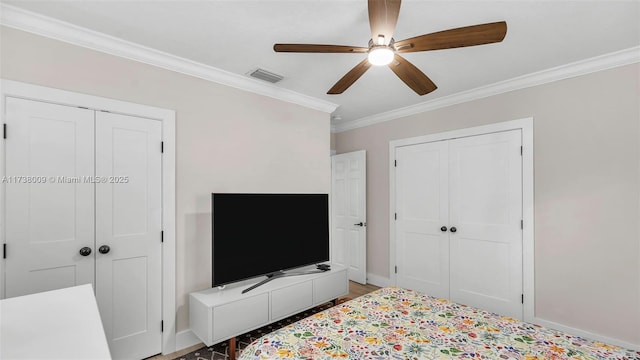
point(355, 290)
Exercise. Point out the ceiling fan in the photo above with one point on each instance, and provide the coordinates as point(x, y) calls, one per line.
point(384, 50)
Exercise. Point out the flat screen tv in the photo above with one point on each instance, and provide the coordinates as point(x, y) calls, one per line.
point(265, 234)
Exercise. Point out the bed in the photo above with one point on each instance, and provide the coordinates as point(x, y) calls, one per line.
point(395, 323)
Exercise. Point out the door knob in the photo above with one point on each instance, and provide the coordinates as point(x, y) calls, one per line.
point(85, 251)
point(444, 228)
point(359, 224)
point(104, 249)
point(453, 229)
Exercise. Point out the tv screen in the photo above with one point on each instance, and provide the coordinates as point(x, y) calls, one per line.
point(260, 234)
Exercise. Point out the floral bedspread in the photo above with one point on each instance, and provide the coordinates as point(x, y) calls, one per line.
point(395, 323)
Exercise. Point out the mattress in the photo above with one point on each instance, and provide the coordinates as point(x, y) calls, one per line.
point(395, 323)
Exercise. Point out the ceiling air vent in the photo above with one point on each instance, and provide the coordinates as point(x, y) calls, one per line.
point(266, 75)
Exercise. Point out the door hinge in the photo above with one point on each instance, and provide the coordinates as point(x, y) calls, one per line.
point(521, 150)
point(162, 236)
point(395, 163)
point(396, 269)
point(522, 298)
point(4, 250)
point(522, 224)
point(4, 131)
point(395, 216)
point(162, 146)
point(162, 326)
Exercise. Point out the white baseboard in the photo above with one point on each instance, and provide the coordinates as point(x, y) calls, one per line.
point(378, 280)
point(185, 339)
point(585, 334)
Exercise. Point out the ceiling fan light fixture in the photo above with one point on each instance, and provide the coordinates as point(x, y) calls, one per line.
point(380, 55)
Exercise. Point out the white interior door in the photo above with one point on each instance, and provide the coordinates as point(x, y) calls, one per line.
point(49, 209)
point(485, 197)
point(422, 248)
point(458, 223)
point(349, 213)
point(128, 221)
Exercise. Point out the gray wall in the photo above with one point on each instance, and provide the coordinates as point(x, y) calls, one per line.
point(587, 192)
point(227, 139)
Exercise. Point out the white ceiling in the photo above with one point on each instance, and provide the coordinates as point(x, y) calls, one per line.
point(237, 36)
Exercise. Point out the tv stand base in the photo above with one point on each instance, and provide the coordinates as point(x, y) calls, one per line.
point(280, 274)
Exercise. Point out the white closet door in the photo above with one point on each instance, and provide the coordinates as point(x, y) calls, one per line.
point(486, 209)
point(349, 209)
point(49, 209)
point(422, 248)
point(128, 213)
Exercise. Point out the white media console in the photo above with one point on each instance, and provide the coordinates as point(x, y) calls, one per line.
point(217, 315)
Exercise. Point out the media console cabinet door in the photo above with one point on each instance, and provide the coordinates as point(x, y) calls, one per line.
point(291, 300)
point(234, 318)
point(330, 287)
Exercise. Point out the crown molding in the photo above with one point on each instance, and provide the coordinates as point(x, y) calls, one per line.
point(578, 68)
point(24, 20)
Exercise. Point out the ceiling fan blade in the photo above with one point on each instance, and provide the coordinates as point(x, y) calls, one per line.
point(351, 77)
point(454, 38)
point(412, 76)
point(311, 48)
point(383, 17)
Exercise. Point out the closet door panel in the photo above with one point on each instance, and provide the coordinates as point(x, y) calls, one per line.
point(49, 202)
point(128, 209)
point(422, 249)
point(486, 210)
